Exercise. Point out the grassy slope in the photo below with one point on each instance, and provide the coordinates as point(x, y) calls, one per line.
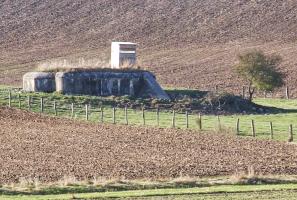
point(281, 121)
point(245, 189)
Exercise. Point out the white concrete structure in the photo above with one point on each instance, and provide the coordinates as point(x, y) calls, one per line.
point(39, 82)
point(122, 53)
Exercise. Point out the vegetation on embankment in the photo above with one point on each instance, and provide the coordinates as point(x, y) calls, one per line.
point(69, 185)
point(191, 101)
point(281, 113)
point(284, 191)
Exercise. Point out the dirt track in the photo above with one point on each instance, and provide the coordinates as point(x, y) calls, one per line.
point(34, 146)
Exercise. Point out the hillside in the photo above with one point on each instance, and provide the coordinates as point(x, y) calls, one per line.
point(186, 43)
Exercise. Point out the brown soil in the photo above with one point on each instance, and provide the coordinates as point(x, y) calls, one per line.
point(186, 43)
point(35, 146)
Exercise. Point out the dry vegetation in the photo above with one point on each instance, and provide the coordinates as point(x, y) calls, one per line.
point(65, 65)
point(186, 43)
point(35, 147)
point(102, 184)
point(82, 64)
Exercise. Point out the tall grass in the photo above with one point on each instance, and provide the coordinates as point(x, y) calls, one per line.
point(102, 184)
point(67, 64)
point(57, 65)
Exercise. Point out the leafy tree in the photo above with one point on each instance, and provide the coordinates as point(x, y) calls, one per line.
point(260, 71)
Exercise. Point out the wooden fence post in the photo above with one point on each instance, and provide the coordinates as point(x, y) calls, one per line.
point(237, 127)
point(219, 123)
point(143, 116)
point(55, 108)
point(41, 105)
point(187, 119)
point(9, 99)
point(72, 110)
point(200, 121)
point(126, 115)
point(158, 116)
point(271, 131)
point(291, 139)
point(87, 112)
point(173, 119)
point(243, 92)
point(102, 115)
point(113, 115)
point(253, 128)
point(20, 103)
point(287, 92)
point(29, 102)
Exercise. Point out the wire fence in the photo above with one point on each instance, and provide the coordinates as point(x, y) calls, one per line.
point(95, 109)
point(285, 92)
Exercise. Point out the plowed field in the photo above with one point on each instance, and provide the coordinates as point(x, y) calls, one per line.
point(185, 43)
point(35, 146)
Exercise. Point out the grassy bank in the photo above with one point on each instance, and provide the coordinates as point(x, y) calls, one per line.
point(263, 195)
point(97, 188)
point(289, 190)
point(281, 121)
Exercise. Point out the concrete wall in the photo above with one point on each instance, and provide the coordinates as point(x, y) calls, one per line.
point(97, 83)
point(122, 52)
point(39, 82)
point(153, 87)
point(109, 83)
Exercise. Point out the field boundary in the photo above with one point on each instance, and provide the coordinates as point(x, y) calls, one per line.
point(162, 192)
point(103, 110)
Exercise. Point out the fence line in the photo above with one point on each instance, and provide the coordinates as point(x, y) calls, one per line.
point(153, 117)
point(284, 91)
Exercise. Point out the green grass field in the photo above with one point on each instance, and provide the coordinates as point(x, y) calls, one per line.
point(283, 191)
point(281, 121)
point(264, 195)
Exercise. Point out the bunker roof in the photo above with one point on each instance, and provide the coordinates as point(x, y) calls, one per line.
point(38, 75)
point(131, 43)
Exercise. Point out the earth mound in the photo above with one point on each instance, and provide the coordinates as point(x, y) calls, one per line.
point(195, 101)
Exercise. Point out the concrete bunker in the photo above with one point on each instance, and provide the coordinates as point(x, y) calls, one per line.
point(100, 82)
point(39, 82)
point(108, 83)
